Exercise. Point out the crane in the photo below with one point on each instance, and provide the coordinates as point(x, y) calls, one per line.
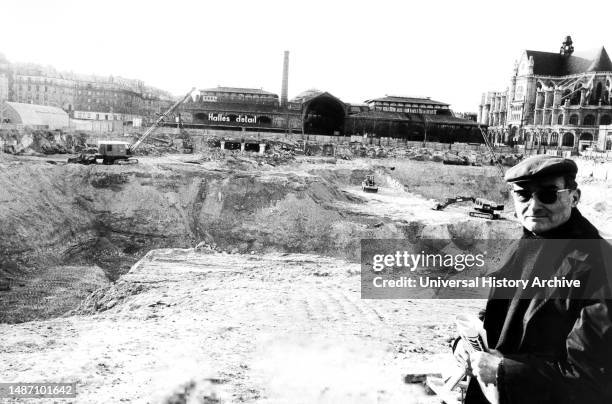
point(159, 121)
point(110, 151)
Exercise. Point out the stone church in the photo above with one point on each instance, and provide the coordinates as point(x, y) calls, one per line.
point(555, 100)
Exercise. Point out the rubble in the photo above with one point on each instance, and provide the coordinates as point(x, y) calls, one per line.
point(276, 153)
point(31, 141)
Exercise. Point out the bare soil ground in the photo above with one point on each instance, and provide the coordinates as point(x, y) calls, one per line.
point(279, 328)
point(202, 326)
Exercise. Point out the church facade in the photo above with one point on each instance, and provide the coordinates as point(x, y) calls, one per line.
point(555, 100)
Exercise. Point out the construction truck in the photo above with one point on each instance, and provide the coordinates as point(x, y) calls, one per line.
point(482, 208)
point(368, 185)
point(118, 152)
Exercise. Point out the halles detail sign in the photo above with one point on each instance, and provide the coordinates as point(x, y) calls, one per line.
point(232, 118)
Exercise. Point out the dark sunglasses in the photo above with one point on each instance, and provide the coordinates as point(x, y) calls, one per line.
point(547, 196)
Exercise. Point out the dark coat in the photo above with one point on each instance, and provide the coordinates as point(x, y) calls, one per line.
point(557, 349)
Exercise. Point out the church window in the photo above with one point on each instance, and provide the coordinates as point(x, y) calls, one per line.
point(576, 95)
point(605, 120)
point(554, 138)
point(598, 92)
point(589, 120)
point(573, 120)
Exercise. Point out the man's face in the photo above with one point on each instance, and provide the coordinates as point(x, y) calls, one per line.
point(540, 216)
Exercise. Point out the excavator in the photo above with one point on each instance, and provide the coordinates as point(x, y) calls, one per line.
point(483, 208)
point(117, 152)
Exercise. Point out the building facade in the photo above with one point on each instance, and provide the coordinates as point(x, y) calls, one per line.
point(555, 100)
point(236, 108)
point(81, 96)
point(411, 105)
point(321, 113)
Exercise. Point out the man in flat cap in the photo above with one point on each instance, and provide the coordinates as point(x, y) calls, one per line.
point(548, 345)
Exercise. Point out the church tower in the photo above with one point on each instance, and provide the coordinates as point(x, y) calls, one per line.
point(567, 47)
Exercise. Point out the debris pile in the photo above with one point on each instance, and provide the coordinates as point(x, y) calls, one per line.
point(48, 142)
point(276, 153)
point(148, 149)
point(33, 141)
point(344, 152)
point(456, 157)
point(78, 142)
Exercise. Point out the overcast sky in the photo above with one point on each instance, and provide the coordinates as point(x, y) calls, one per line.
point(449, 50)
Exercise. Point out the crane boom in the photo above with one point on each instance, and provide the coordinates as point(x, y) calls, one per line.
point(133, 147)
point(490, 147)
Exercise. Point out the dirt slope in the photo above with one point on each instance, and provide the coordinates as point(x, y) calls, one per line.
point(54, 215)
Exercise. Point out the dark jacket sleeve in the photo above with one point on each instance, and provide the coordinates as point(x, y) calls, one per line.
point(584, 376)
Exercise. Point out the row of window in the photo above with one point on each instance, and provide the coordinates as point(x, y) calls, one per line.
point(406, 105)
point(111, 86)
point(50, 86)
point(409, 110)
point(567, 140)
point(588, 120)
point(96, 115)
point(69, 91)
point(238, 96)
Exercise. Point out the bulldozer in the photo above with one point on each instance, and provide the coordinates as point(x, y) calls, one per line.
point(482, 208)
point(118, 152)
point(369, 185)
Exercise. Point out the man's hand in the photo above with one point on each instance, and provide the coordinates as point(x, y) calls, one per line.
point(484, 365)
point(461, 353)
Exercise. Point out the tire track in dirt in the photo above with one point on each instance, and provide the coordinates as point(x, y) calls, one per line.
point(266, 329)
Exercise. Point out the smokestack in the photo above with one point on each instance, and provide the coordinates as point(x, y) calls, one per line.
point(284, 88)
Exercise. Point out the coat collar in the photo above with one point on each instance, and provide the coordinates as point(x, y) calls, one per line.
point(576, 227)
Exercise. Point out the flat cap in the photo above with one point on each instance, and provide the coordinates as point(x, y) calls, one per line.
point(539, 166)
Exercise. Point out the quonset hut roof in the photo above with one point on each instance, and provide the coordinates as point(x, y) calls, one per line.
point(36, 115)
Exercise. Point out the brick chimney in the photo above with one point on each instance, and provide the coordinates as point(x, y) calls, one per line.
point(284, 88)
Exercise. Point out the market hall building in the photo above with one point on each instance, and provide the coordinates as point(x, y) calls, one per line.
point(321, 113)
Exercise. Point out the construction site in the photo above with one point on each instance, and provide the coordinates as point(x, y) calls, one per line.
point(229, 271)
point(207, 247)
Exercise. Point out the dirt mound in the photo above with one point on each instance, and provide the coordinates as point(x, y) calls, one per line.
point(108, 297)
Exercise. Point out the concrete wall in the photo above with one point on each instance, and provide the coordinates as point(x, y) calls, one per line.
point(100, 126)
